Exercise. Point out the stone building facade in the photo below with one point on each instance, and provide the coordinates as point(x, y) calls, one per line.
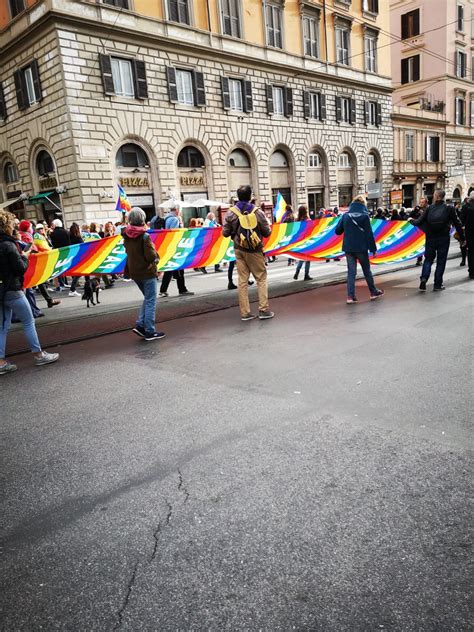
point(173, 111)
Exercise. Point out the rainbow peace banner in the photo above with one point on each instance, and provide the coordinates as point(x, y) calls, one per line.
point(200, 247)
point(123, 203)
point(280, 208)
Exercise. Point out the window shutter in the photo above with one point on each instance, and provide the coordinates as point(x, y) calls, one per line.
point(20, 88)
point(366, 112)
point(139, 74)
point(173, 10)
point(338, 109)
point(306, 104)
point(352, 112)
point(3, 105)
point(36, 80)
point(404, 70)
point(416, 22)
point(428, 157)
point(379, 114)
point(248, 101)
point(200, 91)
point(225, 93)
point(106, 69)
point(435, 149)
point(376, 6)
point(288, 101)
point(405, 26)
point(172, 88)
point(269, 89)
point(416, 68)
point(322, 107)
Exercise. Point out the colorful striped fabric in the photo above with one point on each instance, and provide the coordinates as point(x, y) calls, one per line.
point(201, 247)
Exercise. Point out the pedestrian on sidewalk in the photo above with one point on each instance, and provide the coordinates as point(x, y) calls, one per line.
point(13, 265)
point(247, 225)
point(357, 243)
point(303, 216)
point(467, 219)
point(172, 221)
point(416, 214)
point(436, 221)
point(141, 267)
point(75, 237)
point(289, 218)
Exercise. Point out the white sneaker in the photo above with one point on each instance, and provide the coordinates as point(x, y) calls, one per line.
point(46, 358)
point(74, 293)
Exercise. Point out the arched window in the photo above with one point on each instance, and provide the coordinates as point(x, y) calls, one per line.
point(278, 159)
point(131, 155)
point(344, 160)
point(371, 160)
point(314, 160)
point(44, 163)
point(238, 158)
point(10, 173)
point(190, 157)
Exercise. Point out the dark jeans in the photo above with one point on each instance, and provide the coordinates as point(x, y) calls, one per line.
point(44, 293)
point(167, 276)
point(75, 281)
point(352, 259)
point(230, 271)
point(435, 247)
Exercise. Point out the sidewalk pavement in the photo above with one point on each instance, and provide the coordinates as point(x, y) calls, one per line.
point(72, 320)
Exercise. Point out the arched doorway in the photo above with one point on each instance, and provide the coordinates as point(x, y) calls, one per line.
point(373, 185)
point(193, 178)
point(316, 180)
point(457, 195)
point(47, 199)
point(281, 176)
point(133, 171)
point(345, 178)
point(239, 170)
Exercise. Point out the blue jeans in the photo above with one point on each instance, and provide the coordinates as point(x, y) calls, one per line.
point(147, 315)
point(299, 265)
point(363, 258)
point(435, 247)
point(18, 303)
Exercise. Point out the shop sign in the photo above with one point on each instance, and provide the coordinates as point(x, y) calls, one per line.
point(133, 182)
point(192, 180)
point(396, 197)
point(141, 200)
point(50, 182)
point(457, 170)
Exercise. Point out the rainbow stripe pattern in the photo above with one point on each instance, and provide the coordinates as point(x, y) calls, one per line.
point(280, 208)
point(123, 203)
point(200, 247)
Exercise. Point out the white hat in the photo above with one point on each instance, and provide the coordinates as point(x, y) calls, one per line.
point(471, 195)
point(57, 223)
point(38, 226)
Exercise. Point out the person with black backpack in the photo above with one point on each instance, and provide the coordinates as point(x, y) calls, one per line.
point(246, 224)
point(436, 221)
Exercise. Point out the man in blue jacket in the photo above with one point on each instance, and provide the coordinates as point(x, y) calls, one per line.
point(357, 243)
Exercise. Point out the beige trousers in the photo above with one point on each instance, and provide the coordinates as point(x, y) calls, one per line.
point(251, 263)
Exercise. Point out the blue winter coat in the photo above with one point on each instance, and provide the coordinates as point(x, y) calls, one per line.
point(355, 225)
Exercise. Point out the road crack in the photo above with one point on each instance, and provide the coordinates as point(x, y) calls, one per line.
point(130, 585)
point(158, 530)
point(182, 488)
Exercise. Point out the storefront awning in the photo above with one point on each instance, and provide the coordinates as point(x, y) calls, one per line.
point(9, 203)
point(39, 198)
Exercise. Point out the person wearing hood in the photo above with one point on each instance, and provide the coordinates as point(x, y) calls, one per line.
point(141, 267)
point(13, 265)
point(172, 221)
point(357, 243)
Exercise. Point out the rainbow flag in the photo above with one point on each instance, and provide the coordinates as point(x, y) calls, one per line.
point(123, 205)
point(200, 247)
point(280, 208)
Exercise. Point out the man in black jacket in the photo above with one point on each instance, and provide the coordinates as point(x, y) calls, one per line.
point(436, 221)
point(467, 219)
point(59, 238)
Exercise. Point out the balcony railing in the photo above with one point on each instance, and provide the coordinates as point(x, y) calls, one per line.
point(432, 105)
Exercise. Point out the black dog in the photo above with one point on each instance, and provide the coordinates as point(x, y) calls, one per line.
point(91, 287)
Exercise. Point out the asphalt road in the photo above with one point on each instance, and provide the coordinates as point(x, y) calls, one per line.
point(306, 473)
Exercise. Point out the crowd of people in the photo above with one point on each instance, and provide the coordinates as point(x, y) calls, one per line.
point(245, 223)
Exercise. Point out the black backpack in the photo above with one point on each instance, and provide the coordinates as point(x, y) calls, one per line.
point(157, 223)
point(438, 215)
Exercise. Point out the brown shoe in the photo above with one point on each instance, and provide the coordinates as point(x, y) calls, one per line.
point(53, 302)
